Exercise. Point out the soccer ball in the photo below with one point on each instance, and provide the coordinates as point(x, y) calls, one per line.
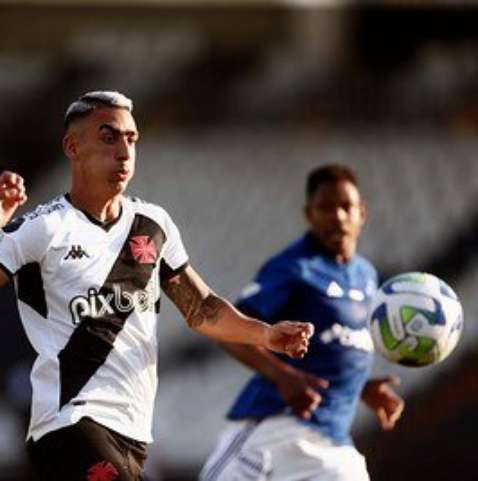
point(415, 319)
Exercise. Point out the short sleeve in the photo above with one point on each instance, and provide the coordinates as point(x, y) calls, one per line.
point(174, 256)
point(22, 242)
point(270, 291)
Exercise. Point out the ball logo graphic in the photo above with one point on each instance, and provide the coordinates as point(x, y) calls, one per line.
point(415, 319)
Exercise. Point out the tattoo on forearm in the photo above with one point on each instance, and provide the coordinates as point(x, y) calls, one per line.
point(209, 311)
point(195, 308)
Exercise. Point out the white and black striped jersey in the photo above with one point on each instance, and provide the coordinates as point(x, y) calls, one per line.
point(88, 296)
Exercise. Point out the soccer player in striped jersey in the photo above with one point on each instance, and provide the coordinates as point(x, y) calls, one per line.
point(291, 422)
point(88, 267)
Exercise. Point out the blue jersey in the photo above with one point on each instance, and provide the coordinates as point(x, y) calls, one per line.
point(304, 283)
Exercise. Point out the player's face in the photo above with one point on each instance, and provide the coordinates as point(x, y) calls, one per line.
point(106, 150)
point(336, 214)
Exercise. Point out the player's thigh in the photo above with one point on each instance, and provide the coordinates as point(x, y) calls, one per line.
point(341, 463)
point(254, 465)
point(83, 452)
point(227, 461)
point(304, 454)
point(281, 449)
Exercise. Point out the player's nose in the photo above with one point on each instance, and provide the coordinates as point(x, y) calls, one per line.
point(124, 150)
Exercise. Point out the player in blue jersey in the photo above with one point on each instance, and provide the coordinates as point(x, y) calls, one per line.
point(292, 419)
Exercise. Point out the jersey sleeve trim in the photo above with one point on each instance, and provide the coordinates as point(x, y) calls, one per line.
point(166, 272)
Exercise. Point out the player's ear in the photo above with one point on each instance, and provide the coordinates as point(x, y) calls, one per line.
point(307, 212)
point(70, 145)
point(363, 211)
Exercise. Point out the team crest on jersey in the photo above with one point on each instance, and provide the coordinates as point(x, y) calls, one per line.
point(143, 249)
point(102, 471)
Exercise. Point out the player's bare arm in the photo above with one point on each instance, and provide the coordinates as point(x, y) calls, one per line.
point(213, 316)
point(4, 278)
point(298, 389)
point(193, 298)
point(12, 195)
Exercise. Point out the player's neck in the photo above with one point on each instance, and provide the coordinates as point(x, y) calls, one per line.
point(101, 208)
point(342, 257)
point(345, 254)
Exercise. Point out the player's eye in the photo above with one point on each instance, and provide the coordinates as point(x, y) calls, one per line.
point(108, 136)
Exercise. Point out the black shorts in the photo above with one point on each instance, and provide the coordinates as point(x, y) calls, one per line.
point(86, 451)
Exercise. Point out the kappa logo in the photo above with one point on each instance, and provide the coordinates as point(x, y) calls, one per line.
point(76, 252)
point(143, 249)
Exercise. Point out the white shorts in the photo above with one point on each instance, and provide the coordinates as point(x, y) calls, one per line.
point(281, 448)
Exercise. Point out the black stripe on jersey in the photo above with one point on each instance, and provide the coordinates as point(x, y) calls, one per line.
point(92, 341)
point(30, 288)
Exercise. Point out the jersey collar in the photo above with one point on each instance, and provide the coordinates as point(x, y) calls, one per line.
point(104, 225)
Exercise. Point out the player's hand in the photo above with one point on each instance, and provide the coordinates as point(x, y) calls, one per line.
point(299, 390)
point(291, 338)
point(12, 195)
point(380, 397)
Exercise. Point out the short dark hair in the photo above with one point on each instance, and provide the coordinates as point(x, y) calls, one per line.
point(328, 173)
point(84, 105)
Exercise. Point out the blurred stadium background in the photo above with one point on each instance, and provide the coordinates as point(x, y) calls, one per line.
point(236, 101)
